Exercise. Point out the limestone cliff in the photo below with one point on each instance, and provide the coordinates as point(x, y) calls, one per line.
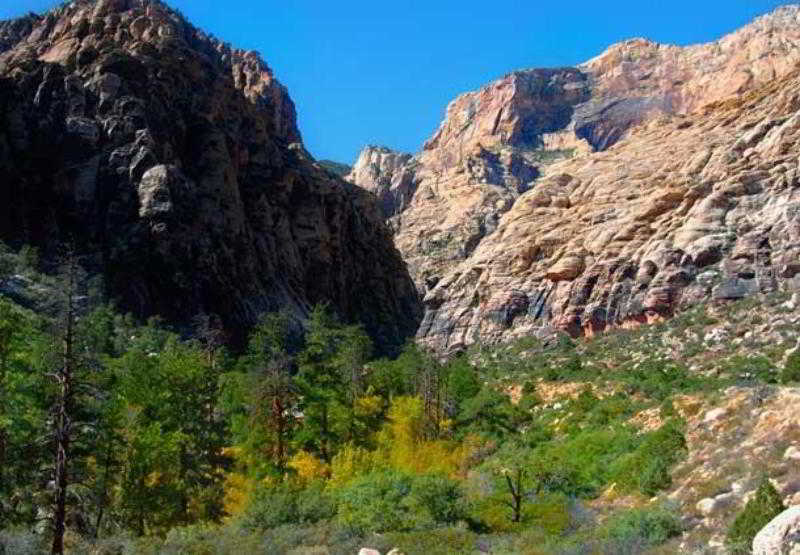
point(648, 178)
point(175, 163)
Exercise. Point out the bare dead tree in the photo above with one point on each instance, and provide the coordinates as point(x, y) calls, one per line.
point(64, 377)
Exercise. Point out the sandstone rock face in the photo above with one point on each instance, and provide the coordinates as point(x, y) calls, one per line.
point(488, 150)
point(611, 194)
point(176, 164)
point(386, 173)
point(686, 209)
point(781, 536)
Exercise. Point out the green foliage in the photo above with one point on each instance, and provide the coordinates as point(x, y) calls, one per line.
point(393, 501)
point(763, 507)
point(27, 259)
point(660, 378)
point(791, 370)
point(637, 529)
point(646, 469)
point(273, 506)
point(491, 413)
point(750, 369)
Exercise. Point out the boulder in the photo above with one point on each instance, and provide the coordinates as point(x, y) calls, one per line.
point(781, 536)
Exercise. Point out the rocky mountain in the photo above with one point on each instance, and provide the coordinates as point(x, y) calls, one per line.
point(644, 180)
point(173, 161)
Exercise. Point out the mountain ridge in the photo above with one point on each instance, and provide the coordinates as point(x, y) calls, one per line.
point(510, 139)
point(192, 199)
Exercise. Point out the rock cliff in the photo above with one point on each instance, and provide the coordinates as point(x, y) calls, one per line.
point(614, 193)
point(175, 164)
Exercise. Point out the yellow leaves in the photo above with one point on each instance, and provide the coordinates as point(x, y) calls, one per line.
point(308, 467)
point(350, 462)
point(402, 445)
point(153, 479)
point(238, 489)
point(366, 407)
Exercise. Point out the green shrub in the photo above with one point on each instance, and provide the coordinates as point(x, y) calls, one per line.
point(443, 541)
point(640, 528)
point(660, 378)
point(647, 468)
point(20, 542)
point(763, 507)
point(391, 501)
point(750, 369)
point(28, 259)
point(286, 504)
point(791, 371)
point(435, 499)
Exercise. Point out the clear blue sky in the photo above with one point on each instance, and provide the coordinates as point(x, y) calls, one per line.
point(383, 72)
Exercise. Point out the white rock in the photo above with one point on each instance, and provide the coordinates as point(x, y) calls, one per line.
point(705, 506)
point(792, 453)
point(709, 506)
point(781, 536)
point(368, 551)
point(714, 414)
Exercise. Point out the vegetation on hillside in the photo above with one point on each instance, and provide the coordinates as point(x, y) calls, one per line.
point(177, 445)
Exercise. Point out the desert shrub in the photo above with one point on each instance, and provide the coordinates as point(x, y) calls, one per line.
point(435, 499)
point(442, 541)
point(273, 506)
point(660, 378)
point(763, 507)
point(588, 411)
point(791, 371)
point(28, 259)
point(646, 469)
point(388, 500)
point(20, 542)
point(580, 462)
point(750, 369)
point(637, 529)
point(201, 539)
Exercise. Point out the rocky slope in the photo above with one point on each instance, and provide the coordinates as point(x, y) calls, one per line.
point(644, 180)
point(175, 164)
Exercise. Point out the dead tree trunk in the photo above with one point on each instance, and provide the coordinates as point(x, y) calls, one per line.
point(63, 411)
point(516, 495)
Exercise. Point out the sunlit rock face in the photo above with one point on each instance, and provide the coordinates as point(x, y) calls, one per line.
point(175, 163)
point(647, 179)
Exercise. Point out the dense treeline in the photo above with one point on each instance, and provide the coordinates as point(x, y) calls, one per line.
point(111, 430)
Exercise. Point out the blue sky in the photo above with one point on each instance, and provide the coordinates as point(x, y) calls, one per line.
point(376, 72)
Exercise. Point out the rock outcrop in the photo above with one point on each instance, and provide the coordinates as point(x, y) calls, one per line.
point(688, 209)
point(781, 536)
point(647, 179)
point(175, 164)
point(387, 174)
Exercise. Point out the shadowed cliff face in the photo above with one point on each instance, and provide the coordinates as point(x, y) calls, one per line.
point(175, 163)
point(615, 193)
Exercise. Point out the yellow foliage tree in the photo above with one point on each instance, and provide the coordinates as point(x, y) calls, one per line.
point(350, 462)
point(402, 443)
point(308, 468)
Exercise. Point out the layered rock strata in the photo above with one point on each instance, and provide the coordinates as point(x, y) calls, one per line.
point(579, 198)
